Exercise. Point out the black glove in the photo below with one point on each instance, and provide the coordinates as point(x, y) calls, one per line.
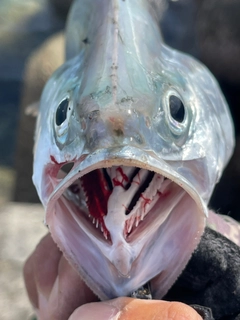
point(205, 313)
point(211, 278)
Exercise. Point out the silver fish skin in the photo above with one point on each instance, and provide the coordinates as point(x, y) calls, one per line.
point(125, 100)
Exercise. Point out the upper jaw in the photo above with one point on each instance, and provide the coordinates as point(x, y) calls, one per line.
point(130, 256)
point(109, 157)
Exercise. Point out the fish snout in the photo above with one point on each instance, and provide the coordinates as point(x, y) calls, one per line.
point(115, 130)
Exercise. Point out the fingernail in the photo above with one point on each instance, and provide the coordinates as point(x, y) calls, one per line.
point(95, 310)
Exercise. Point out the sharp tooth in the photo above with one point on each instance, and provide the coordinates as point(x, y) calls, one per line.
point(137, 221)
point(131, 222)
point(126, 226)
point(105, 234)
point(93, 221)
point(142, 215)
point(97, 224)
point(129, 227)
point(126, 229)
point(101, 227)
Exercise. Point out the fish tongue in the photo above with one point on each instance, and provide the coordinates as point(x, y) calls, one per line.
point(121, 254)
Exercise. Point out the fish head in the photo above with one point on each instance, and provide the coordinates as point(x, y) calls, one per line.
point(129, 145)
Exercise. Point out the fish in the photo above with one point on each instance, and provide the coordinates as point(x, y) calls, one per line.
point(131, 138)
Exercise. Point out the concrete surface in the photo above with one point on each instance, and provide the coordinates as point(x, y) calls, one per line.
point(21, 229)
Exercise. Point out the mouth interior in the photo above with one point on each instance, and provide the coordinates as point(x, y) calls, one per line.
point(138, 225)
point(131, 194)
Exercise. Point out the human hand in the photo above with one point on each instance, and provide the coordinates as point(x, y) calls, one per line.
point(57, 292)
point(135, 309)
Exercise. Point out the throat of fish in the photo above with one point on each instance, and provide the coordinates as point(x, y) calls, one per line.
point(121, 197)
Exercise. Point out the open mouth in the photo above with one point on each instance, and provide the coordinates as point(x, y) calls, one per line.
point(122, 225)
point(131, 197)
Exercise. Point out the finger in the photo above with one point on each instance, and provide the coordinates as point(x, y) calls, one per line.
point(53, 286)
point(40, 270)
point(156, 309)
point(46, 259)
point(95, 310)
point(30, 283)
point(135, 309)
point(69, 292)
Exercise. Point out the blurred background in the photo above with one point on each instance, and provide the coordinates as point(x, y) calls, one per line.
point(31, 48)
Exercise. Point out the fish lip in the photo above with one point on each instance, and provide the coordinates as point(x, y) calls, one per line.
point(127, 156)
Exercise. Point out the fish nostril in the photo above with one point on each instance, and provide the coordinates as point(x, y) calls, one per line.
point(92, 138)
point(118, 132)
point(138, 138)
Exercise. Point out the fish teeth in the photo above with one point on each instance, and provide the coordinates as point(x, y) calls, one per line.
point(104, 231)
point(130, 225)
point(134, 220)
point(137, 221)
point(126, 226)
point(129, 228)
point(105, 235)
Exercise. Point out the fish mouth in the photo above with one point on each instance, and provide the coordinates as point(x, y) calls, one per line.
point(138, 192)
point(125, 216)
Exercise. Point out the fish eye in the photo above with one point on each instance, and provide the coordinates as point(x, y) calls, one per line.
point(176, 108)
point(61, 113)
point(178, 116)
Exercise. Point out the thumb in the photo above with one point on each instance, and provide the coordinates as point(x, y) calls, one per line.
point(135, 309)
